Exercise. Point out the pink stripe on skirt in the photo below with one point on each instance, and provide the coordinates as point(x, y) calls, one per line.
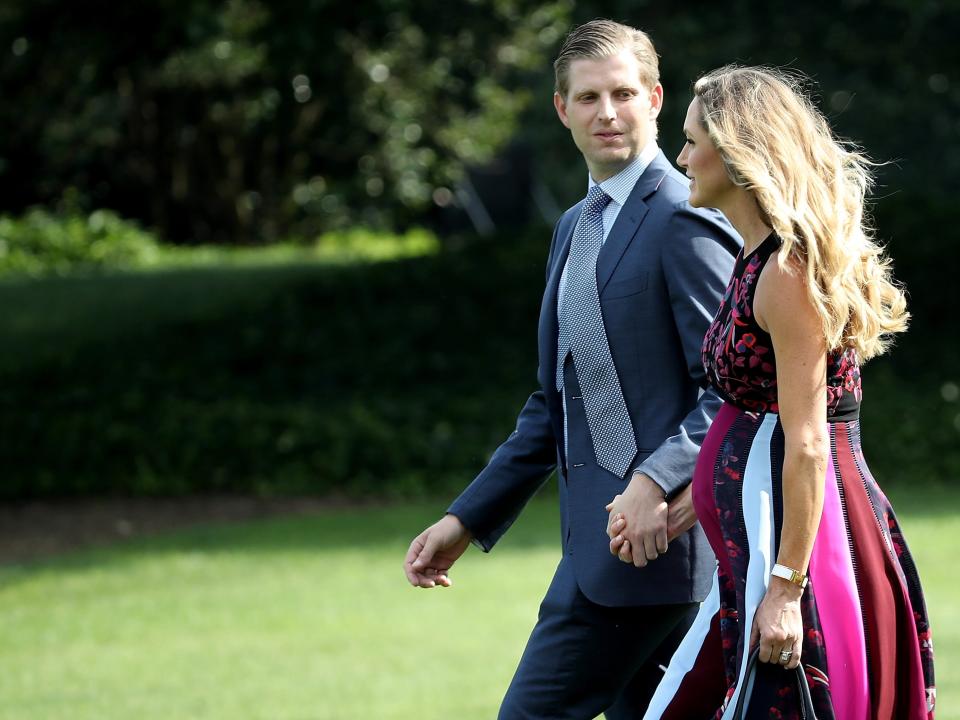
point(838, 603)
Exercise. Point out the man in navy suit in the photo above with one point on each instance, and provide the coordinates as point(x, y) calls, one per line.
point(620, 599)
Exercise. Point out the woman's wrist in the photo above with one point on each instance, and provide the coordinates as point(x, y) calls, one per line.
point(785, 589)
point(790, 574)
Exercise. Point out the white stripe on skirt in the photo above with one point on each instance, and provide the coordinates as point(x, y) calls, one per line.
point(756, 493)
point(686, 654)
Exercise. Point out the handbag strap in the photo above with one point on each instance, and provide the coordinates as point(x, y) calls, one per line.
point(806, 702)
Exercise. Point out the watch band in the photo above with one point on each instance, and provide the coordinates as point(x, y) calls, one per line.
point(790, 575)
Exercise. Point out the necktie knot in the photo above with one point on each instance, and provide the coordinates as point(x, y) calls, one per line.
point(596, 200)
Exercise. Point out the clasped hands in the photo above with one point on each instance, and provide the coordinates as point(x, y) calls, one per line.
point(641, 523)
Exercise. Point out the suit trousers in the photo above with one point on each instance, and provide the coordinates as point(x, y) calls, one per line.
point(584, 659)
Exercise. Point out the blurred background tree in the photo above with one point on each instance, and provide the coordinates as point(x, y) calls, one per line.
point(246, 122)
point(215, 141)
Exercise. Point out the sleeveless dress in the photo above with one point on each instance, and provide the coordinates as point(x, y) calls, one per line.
point(867, 650)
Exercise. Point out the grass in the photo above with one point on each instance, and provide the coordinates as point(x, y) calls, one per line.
point(311, 618)
point(295, 618)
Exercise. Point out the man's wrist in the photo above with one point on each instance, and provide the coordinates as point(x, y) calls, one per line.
point(463, 528)
point(639, 476)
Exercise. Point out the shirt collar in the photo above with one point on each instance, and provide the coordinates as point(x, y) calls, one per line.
point(621, 185)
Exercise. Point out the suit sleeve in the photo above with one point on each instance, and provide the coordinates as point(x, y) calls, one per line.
point(517, 469)
point(697, 262)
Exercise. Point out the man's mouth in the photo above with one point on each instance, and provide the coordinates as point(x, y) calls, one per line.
point(607, 135)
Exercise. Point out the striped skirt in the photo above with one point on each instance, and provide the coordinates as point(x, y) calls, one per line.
point(866, 646)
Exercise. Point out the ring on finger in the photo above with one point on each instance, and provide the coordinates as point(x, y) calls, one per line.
point(785, 656)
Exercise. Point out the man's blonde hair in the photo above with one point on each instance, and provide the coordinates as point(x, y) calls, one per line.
point(600, 39)
point(811, 187)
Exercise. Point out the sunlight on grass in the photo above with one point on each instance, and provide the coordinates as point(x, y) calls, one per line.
point(312, 618)
point(349, 247)
point(277, 619)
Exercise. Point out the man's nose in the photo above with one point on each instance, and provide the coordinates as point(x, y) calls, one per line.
point(606, 109)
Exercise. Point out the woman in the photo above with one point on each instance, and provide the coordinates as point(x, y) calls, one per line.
point(812, 566)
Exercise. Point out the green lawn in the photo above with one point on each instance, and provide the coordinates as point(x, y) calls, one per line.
point(311, 618)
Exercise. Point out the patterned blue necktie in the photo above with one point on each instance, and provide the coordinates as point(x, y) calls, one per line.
point(582, 333)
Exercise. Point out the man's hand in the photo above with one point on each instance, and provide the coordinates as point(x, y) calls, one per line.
point(434, 551)
point(640, 516)
point(681, 515)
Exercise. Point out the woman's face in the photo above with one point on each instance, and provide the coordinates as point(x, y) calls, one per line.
point(710, 185)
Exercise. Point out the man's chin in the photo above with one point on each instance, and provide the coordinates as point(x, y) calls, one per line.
point(610, 163)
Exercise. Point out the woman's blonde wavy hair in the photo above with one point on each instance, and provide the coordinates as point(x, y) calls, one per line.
point(811, 189)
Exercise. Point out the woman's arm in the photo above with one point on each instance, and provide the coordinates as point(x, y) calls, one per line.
point(783, 308)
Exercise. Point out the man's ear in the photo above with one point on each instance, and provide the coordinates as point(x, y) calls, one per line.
point(561, 105)
point(656, 101)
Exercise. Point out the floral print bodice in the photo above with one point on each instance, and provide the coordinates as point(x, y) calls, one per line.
point(738, 354)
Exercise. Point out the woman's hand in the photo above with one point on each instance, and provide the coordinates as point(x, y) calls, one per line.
point(637, 521)
point(680, 518)
point(777, 625)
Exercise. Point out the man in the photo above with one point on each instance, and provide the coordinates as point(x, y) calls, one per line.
point(634, 277)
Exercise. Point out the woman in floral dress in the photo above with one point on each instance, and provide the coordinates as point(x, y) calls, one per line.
point(812, 565)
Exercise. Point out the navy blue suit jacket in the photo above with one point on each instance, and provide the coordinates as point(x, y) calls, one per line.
point(661, 274)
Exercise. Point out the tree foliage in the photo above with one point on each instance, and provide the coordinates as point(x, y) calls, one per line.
point(248, 121)
point(244, 120)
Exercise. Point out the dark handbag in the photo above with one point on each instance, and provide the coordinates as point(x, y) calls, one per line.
point(806, 702)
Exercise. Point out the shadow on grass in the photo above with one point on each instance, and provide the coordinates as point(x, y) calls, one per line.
point(924, 501)
point(390, 527)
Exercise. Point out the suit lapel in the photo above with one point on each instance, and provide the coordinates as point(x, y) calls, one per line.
point(553, 283)
point(548, 310)
point(629, 220)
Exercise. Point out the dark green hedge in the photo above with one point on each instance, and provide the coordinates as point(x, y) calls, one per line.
point(377, 379)
point(389, 379)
